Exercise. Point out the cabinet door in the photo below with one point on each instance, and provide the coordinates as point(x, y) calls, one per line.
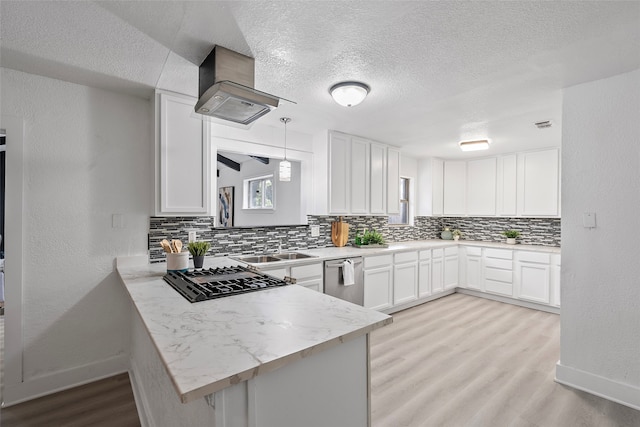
point(437, 187)
point(450, 272)
point(455, 184)
point(533, 282)
point(183, 156)
point(339, 174)
point(538, 183)
point(555, 279)
point(359, 176)
point(474, 272)
point(424, 278)
point(437, 274)
point(507, 189)
point(378, 182)
point(315, 285)
point(481, 187)
point(377, 288)
point(393, 181)
point(405, 283)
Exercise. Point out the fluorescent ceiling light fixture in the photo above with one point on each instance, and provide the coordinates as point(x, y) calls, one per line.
point(349, 94)
point(481, 144)
point(285, 165)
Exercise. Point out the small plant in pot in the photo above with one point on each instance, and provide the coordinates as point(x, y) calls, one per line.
point(511, 236)
point(198, 250)
point(372, 237)
point(456, 234)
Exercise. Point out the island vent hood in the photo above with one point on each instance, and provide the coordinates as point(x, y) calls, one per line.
point(226, 88)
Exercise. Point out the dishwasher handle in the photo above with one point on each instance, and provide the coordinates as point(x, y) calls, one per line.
point(339, 264)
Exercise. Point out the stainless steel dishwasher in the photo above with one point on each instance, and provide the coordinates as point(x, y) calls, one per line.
point(334, 282)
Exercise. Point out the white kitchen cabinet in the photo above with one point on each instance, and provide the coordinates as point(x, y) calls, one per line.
point(455, 184)
point(378, 180)
point(532, 276)
point(451, 267)
point(498, 271)
point(424, 273)
point(378, 282)
point(339, 173)
point(405, 277)
point(538, 183)
point(393, 181)
point(437, 188)
point(437, 270)
point(308, 275)
point(507, 188)
point(359, 176)
point(481, 187)
point(473, 268)
point(183, 157)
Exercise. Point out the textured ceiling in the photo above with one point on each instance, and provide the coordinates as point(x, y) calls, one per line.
point(439, 71)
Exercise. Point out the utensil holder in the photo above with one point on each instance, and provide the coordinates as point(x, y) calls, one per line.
point(178, 262)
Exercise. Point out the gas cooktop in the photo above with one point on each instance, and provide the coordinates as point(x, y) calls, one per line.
point(202, 285)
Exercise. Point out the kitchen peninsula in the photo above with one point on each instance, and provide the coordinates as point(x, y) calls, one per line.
point(284, 356)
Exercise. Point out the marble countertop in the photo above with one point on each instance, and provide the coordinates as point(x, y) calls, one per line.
point(322, 254)
point(210, 345)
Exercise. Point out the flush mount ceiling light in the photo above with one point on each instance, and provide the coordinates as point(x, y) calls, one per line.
point(481, 144)
point(285, 165)
point(349, 94)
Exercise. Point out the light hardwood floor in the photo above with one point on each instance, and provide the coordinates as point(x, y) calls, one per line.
point(467, 361)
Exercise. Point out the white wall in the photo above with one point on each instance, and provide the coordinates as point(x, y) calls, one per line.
point(87, 155)
point(409, 169)
point(287, 194)
point(600, 340)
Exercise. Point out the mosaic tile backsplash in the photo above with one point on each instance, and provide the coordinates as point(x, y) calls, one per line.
point(258, 240)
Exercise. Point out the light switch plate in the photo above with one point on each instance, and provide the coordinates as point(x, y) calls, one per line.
point(192, 236)
point(315, 230)
point(589, 220)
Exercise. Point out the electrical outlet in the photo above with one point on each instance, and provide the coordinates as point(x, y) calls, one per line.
point(192, 236)
point(315, 230)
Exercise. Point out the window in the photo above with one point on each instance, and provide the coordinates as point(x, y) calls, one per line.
point(403, 217)
point(259, 192)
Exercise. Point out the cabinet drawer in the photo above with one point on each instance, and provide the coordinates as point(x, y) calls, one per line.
point(498, 253)
point(472, 251)
point(424, 255)
point(437, 253)
point(378, 261)
point(306, 271)
point(451, 251)
point(505, 264)
point(498, 275)
point(405, 257)
point(538, 257)
point(498, 287)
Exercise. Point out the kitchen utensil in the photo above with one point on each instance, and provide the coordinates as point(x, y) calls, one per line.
point(178, 261)
point(177, 244)
point(166, 246)
point(339, 232)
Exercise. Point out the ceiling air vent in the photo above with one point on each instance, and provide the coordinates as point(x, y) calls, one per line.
point(544, 124)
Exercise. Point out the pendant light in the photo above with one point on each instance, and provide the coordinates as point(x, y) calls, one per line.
point(349, 94)
point(285, 165)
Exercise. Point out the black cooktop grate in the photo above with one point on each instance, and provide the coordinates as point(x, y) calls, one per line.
point(202, 285)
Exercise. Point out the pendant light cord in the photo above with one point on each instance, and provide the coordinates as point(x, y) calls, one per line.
point(285, 120)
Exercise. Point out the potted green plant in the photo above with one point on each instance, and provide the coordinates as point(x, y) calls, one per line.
point(372, 237)
point(198, 250)
point(511, 236)
point(456, 234)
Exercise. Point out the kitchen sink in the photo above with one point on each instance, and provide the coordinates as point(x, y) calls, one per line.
point(256, 259)
point(293, 255)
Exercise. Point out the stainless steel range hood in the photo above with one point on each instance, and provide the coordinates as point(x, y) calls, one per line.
point(226, 88)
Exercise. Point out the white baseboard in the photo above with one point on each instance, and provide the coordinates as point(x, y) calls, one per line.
point(615, 391)
point(514, 301)
point(140, 397)
point(63, 380)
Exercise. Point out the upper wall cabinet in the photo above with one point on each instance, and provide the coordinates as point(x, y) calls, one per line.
point(538, 178)
point(359, 175)
point(522, 184)
point(182, 157)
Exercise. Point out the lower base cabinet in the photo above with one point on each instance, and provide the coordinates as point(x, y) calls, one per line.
point(309, 275)
point(378, 282)
point(533, 276)
point(451, 265)
point(437, 271)
point(473, 268)
point(498, 271)
point(424, 274)
point(405, 277)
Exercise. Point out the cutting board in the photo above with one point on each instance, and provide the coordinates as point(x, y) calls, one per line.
point(339, 233)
